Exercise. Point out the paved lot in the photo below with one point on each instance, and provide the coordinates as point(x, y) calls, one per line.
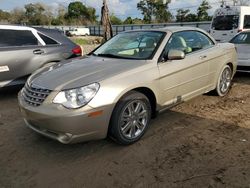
point(202, 143)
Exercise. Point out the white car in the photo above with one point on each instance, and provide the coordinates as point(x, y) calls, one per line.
point(242, 43)
point(228, 21)
point(79, 32)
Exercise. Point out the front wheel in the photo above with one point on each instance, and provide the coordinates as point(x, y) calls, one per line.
point(225, 81)
point(130, 118)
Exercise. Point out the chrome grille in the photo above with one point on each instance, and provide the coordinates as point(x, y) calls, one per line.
point(34, 96)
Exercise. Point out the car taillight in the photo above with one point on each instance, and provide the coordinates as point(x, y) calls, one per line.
point(77, 50)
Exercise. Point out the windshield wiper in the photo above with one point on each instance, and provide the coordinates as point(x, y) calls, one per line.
point(115, 56)
point(109, 55)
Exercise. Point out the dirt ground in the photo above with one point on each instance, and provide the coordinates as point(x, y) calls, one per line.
point(201, 143)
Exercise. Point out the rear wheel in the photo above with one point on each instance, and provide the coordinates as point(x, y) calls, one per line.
point(225, 81)
point(130, 118)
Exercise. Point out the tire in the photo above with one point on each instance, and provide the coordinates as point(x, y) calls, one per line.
point(130, 118)
point(224, 82)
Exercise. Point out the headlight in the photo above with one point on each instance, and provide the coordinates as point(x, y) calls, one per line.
point(76, 98)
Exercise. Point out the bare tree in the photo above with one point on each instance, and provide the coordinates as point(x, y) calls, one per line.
point(235, 2)
point(244, 2)
point(240, 2)
point(105, 22)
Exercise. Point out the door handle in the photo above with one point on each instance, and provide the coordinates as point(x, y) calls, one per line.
point(38, 52)
point(203, 57)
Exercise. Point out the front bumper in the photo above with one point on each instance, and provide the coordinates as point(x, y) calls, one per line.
point(243, 65)
point(64, 125)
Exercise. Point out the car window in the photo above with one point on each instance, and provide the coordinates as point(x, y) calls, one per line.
point(242, 38)
point(205, 41)
point(132, 45)
point(17, 38)
point(188, 41)
point(247, 22)
point(227, 22)
point(47, 40)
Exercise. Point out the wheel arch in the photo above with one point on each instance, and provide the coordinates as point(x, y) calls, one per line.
point(151, 97)
point(148, 93)
point(143, 90)
point(231, 66)
point(49, 62)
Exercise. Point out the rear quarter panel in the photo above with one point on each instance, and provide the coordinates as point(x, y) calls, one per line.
point(55, 53)
point(225, 54)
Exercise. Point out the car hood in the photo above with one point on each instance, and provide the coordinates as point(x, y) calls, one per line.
point(80, 72)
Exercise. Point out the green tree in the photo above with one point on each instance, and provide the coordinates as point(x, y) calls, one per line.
point(18, 16)
point(77, 10)
point(92, 15)
point(80, 14)
point(161, 12)
point(184, 15)
point(154, 10)
point(202, 11)
point(128, 20)
point(181, 15)
point(115, 20)
point(137, 21)
point(191, 17)
point(4, 16)
point(38, 14)
point(59, 19)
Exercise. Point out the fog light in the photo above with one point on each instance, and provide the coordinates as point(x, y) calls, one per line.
point(65, 138)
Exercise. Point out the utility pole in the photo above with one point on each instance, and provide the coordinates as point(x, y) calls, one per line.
point(223, 3)
point(235, 2)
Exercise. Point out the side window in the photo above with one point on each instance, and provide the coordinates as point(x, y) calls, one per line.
point(246, 22)
point(188, 41)
point(242, 38)
point(205, 41)
point(47, 40)
point(181, 41)
point(17, 38)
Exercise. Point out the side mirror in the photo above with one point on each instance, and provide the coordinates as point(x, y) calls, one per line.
point(175, 55)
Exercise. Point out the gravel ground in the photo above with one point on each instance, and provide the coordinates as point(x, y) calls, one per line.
point(201, 143)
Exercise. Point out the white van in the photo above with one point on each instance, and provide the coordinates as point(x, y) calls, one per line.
point(79, 32)
point(228, 21)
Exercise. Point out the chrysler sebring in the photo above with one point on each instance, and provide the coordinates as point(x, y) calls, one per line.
point(120, 86)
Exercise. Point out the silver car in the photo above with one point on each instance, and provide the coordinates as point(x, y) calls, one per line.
point(117, 89)
point(242, 43)
point(25, 49)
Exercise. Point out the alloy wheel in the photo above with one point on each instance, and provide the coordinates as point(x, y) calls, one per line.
point(225, 80)
point(134, 119)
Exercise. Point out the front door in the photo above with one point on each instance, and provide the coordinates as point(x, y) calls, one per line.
point(186, 78)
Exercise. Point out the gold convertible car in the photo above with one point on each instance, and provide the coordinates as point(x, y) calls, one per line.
point(120, 86)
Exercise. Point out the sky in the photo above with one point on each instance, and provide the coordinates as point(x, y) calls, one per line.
point(121, 8)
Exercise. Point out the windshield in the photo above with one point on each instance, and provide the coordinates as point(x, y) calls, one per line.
point(131, 45)
point(242, 38)
point(228, 22)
